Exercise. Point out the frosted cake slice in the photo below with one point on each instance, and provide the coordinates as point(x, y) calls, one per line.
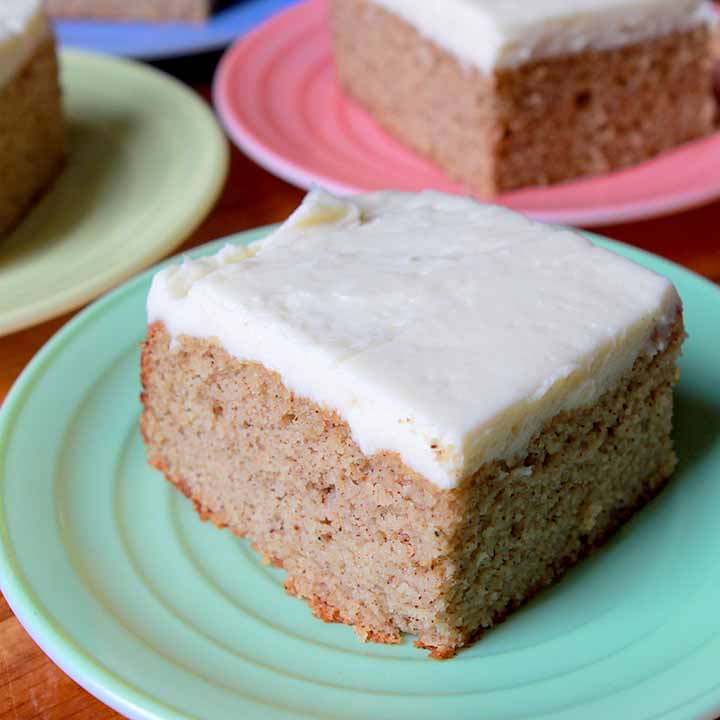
point(424, 408)
point(32, 127)
point(505, 94)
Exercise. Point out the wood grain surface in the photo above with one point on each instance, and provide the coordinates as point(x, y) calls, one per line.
point(31, 686)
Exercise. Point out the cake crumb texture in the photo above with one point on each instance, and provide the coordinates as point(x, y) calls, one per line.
point(542, 122)
point(150, 10)
point(32, 134)
point(368, 542)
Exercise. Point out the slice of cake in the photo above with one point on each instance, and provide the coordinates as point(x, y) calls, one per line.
point(423, 408)
point(504, 94)
point(32, 129)
point(149, 10)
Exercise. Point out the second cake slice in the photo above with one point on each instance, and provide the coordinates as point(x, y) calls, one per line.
point(503, 94)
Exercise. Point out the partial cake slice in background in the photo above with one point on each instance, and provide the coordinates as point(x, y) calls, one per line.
point(423, 408)
point(151, 10)
point(505, 94)
point(32, 128)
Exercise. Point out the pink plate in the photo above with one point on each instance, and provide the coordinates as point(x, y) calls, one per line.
point(279, 99)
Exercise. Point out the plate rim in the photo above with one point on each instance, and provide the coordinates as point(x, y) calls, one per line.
point(70, 298)
point(287, 169)
point(37, 620)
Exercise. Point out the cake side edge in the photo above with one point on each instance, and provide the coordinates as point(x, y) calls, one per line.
point(391, 626)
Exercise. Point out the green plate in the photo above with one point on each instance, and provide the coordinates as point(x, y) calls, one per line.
point(147, 162)
point(162, 616)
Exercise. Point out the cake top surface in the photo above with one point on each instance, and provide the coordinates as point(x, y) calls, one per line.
point(15, 15)
point(492, 33)
point(22, 27)
point(438, 328)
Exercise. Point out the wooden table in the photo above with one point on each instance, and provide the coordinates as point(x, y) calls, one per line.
point(31, 686)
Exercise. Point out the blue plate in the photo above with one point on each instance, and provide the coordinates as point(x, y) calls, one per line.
point(157, 41)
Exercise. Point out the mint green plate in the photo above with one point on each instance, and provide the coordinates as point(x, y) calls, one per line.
point(147, 161)
point(162, 616)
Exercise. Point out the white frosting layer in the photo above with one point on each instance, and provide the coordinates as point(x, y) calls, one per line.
point(492, 33)
point(439, 328)
point(22, 28)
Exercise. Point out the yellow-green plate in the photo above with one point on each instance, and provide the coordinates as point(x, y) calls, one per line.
point(163, 616)
point(147, 162)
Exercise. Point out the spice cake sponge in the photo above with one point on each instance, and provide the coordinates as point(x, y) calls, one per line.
point(504, 95)
point(423, 408)
point(32, 126)
point(147, 10)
